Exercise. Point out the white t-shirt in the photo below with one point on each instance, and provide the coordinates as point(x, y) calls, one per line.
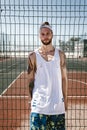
point(47, 93)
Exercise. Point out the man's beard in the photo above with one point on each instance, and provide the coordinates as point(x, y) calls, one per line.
point(47, 43)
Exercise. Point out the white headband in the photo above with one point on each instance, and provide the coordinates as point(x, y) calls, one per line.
point(46, 26)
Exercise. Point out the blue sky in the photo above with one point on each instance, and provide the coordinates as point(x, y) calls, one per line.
point(21, 19)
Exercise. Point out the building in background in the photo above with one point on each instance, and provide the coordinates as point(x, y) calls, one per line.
point(85, 47)
point(74, 47)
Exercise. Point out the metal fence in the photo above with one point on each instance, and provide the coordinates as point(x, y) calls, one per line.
point(19, 34)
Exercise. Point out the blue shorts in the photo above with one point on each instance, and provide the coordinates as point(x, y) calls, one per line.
point(47, 122)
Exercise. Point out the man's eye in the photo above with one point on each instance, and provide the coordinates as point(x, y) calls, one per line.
point(43, 34)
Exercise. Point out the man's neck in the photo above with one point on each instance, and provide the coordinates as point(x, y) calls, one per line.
point(47, 48)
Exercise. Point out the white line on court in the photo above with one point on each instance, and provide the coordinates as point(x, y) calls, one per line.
point(12, 83)
point(76, 72)
point(78, 81)
point(77, 97)
point(16, 97)
point(13, 96)
point(26, 97)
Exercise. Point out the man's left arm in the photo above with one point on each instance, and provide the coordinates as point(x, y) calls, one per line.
point(64, 78)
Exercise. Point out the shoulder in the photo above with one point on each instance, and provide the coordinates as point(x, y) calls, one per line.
point(32, 56)
point(62, 54)
point(31, 61)
point(62, 57)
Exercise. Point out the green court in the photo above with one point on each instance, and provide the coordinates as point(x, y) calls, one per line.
point(9, 70)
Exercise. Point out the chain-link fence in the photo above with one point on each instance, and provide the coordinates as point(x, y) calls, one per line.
point(19, 34)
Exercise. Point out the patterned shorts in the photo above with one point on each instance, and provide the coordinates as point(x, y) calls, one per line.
point(47, 122)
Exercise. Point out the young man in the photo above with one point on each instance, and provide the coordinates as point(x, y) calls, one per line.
point(47, 78)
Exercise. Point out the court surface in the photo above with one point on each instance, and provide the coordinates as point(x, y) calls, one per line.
point(15, 104)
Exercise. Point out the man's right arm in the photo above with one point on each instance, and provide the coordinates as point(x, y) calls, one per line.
point(31, 72)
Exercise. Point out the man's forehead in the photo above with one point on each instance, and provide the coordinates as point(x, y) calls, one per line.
point(44, 30)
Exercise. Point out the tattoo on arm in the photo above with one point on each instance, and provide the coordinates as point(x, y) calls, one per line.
point(30, 66)
point(31, 72)
point(31, 85)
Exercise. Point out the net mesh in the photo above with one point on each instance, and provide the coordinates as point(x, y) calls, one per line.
point(19, 28)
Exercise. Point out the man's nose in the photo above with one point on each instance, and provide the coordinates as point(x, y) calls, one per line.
point(45, 36)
